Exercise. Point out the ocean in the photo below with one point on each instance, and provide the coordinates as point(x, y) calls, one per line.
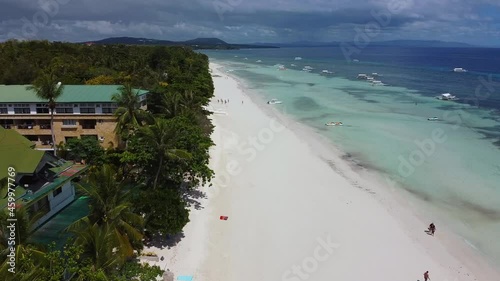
point(451, 164)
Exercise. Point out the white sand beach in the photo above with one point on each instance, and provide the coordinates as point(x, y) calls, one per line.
point(297, 211)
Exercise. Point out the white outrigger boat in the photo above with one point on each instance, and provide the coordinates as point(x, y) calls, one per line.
point(377, 83)
point(433, 119)
point(334, 124)
point(446, 96)
point(274, 101)
point(459, 69)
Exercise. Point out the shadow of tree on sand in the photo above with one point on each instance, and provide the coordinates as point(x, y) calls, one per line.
point(162, 241)
point(192, 197)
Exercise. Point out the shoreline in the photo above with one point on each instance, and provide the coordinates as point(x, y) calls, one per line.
point(387, 190)
point(460, 255)
point(275, 222)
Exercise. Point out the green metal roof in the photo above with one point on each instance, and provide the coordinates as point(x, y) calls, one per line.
point(16, 151)
point(71, 93)
point(11, 138)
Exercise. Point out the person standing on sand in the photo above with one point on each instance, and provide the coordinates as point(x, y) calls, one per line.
point(432, 229)
point(426, 276)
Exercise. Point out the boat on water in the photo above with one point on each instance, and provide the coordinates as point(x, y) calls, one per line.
point(433, 119)
point(326, 72)
point(446, 96)
point(259, 61)
point(377, 83)
point(274, 101)
point(362, 76)
point(280, 66)
point(375, 74)
point(459, 69)
point(298, 58)
point(334, 124)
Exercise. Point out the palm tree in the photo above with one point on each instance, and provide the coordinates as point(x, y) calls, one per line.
point(110, 205)
point(160, 137)
point(46, 88)
point(99, 243)
point(130, 115)
point(175, 104)
point(24, 227)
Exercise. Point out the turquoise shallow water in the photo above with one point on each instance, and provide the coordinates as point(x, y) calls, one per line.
point(452, 164)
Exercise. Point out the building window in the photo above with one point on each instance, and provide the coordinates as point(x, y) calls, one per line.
point(64, 108)
point(46, 139)
point(7, 124)
point(69, 122)
point(3, 109)
point(88, 124)
point(42, 108)
point(108, 108)
point(44, 124)
point(87, 108)
point(21, 108)
point(57, 191)
point(31, 138)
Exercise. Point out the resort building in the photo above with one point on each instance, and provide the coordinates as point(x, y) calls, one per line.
point(81, 111)
point(42, 182)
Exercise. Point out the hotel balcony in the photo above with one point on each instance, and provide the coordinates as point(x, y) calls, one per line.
point(25, 126)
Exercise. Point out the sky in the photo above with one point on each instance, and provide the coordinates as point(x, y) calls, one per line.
point(236, 21)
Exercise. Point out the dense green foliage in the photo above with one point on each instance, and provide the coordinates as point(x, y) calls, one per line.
point(136, 190)
point(87, 149)
point(68, 263)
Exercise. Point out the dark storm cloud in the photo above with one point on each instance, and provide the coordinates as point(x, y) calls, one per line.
point(246, 21)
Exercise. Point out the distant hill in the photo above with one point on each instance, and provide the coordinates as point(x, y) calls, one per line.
point(393, 43)
point(198, 43)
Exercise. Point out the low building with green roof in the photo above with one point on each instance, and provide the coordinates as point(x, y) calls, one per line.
point(81, 111)
point(39, 181)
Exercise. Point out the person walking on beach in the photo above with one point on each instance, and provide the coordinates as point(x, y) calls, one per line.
point(426, 276)
point(432, 229)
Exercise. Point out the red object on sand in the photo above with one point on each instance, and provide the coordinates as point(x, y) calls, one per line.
point(224, 218)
